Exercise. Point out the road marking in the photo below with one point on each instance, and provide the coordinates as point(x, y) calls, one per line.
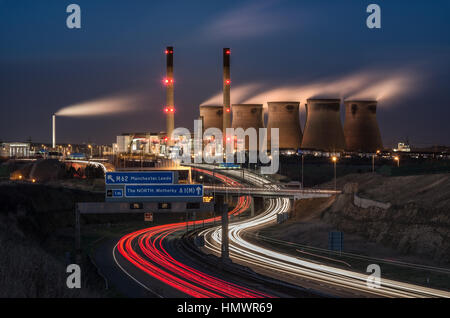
point(131, 276)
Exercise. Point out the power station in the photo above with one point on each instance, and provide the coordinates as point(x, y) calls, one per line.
point(323, 128)
point(361, 128)
point(286, 117)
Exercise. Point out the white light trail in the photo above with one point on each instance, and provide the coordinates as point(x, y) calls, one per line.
point(250, 253)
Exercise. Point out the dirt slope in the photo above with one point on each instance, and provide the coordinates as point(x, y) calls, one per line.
point(416, 225)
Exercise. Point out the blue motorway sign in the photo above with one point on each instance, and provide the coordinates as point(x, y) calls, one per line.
point(166, 191)
point(117, 193)
point(114, 193)
point(139, 177)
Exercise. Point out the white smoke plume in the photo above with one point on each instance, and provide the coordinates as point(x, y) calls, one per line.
point(110, 105)
point(237, 94)
point(370, 84)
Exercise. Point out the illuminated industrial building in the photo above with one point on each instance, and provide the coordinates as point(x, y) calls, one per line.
point(15, 150)
point(140, 143)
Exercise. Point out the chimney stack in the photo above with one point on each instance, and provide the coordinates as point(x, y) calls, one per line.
point(170, 107)
point(53, 131)
point(226, 90)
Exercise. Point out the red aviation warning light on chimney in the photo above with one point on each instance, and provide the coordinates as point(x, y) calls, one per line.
point(168, 81)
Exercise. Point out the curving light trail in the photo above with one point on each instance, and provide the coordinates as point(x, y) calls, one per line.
point(145, 250)
point(294, 267)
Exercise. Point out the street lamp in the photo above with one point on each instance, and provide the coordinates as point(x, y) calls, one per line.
point(334, 159)
point(142, 155)
point(397, 159)
point(373, 160)
point(303, 156)
point(90, 147)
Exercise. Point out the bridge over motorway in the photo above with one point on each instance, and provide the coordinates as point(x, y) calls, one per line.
point(263, 186)
point(270, 192)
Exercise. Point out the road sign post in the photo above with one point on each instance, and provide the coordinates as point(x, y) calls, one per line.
point(222, 208)
point(77, 235)
point(225, 244)
point(335, 241)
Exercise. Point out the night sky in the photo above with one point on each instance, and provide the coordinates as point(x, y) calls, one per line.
point(279, 49)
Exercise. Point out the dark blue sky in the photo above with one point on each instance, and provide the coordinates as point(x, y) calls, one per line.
point(44, 66)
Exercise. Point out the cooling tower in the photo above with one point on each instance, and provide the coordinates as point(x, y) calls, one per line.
point(246, 116)
point(285, 117)
point(361, 128)
point(168, 81)
point(212, 116)
point(226, 90)
point(323, 128)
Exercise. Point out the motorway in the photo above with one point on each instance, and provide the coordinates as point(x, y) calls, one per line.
point(296, 270)
point(149, 255)
point(147, 251)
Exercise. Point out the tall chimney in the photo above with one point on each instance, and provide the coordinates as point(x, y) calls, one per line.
point(170, 107)
point(53, 131)
point(226, 90)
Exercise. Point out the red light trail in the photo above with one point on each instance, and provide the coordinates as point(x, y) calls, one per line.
point(150, 256)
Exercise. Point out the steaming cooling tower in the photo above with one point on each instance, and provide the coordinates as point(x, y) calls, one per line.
point(323, 128)
point(285, 117)
point(212, 116)
point(246, 116)
point(361, 128)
